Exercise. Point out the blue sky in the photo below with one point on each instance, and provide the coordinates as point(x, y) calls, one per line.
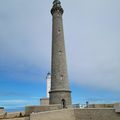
point(92, 37)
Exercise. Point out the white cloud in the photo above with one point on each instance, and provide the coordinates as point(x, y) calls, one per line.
point(92, 39)
point(16, 103)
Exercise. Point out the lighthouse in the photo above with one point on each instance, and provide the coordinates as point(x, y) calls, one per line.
point(60, 90)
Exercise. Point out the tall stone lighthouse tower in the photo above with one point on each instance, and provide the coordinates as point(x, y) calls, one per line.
point(60, 91)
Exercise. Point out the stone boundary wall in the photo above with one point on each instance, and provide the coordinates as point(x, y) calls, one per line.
point(23, 118)
point(96, 114)
point(100, 105)
point(78, 114)
point(14, 115)
point(36, 109)
point(67, 114)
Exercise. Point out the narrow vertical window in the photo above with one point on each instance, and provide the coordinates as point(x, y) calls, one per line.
point(61, 77)
point(58, 31)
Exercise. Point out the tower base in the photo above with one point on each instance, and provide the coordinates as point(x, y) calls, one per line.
point(60, 96)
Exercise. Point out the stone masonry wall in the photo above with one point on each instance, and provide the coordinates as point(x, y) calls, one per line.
point(77, 114)
point(73, 114)
point(23, 118)
point(13, 116)
point(67, 114)
point(96, 114)
point(36, 109)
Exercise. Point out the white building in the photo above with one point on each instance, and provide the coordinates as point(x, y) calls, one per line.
point(48, 80)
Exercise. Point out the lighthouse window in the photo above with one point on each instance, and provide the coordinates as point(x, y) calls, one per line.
point(60, 52)
point(59, 31)
point(61, 77)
